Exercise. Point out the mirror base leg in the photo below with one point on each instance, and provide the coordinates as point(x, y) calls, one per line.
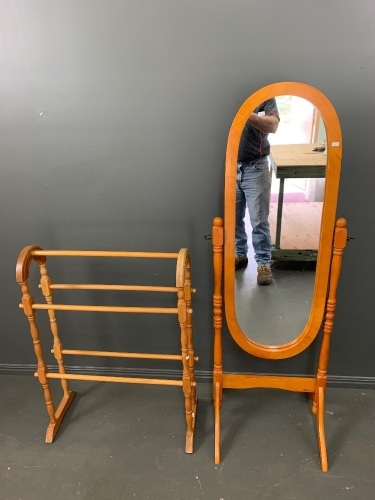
point(217, 407)
point(321, 431)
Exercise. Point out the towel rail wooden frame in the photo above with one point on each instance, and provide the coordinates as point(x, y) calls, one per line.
point(183, 311)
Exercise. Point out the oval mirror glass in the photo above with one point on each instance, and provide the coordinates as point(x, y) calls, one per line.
point(297, 164)
point(282, 319)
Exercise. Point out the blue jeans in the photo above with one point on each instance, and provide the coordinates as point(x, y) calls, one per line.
point(254, 190)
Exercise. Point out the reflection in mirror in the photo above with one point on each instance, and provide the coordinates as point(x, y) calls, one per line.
point(276, 314)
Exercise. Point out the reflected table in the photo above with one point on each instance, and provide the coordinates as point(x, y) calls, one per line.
point(295, 161)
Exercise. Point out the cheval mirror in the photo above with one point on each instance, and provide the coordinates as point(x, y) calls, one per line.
point(316, 244)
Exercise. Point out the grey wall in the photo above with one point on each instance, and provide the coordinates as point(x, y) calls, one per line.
point(114, 117)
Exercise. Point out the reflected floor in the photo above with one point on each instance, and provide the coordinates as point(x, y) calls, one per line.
point(277, 313)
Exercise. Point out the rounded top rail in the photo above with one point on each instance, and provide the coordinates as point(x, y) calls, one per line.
point(39, 255)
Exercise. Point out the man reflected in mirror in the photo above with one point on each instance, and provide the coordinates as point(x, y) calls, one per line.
point(254, 189)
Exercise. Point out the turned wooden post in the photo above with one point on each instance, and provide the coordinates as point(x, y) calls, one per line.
point(22, 274)
point(45, 283)
point(217, 243)
point(339, 243)
point(184, 318)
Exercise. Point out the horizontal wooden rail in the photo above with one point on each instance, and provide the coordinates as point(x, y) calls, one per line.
point(102, 253)
point(106, 378)
point(89, 286)
point(247, 381)
point(115, 354)
point(119, 309)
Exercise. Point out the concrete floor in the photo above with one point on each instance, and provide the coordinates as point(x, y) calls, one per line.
point(122, 441)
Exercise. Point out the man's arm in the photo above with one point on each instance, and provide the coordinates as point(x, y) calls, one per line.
point(265, 123)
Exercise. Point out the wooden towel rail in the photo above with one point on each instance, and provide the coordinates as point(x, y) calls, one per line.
point(183, 310)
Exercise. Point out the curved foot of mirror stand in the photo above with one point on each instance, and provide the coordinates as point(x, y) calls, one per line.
point(321, 432)
point(217, 406)
point(53, 427)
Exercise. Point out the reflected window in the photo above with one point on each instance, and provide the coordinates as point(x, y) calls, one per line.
point(300, 122)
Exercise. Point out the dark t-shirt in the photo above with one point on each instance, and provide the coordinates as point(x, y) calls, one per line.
point(254, 143)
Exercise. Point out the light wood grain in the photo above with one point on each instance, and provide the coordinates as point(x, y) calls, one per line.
point(306, 225)
point(297, 155)
point(183, 310)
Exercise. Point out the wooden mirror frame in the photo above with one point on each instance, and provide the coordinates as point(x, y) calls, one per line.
point(332, 180)
point(332, 242)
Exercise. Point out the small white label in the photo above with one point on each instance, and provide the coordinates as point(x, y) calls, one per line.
point(261, 113)
point(335, 144)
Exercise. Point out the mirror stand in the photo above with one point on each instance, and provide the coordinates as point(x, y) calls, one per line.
point(313, 386)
